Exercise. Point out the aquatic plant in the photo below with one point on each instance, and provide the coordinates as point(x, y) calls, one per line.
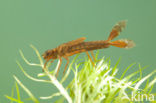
point(90, 84)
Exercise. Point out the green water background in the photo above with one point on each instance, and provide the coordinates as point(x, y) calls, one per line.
point(48, 23)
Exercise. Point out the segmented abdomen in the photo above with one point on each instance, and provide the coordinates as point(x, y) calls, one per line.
point(84, 46)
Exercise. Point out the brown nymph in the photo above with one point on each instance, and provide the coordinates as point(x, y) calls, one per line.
point(79, 45)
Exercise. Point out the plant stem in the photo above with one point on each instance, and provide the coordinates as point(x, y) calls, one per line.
point(59, 86)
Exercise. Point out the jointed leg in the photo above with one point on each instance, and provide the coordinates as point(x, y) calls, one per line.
point(90, 58)
point(59, 66)
point(66, 64)
point(45, 65)
point(93, 55)
point(51, 61)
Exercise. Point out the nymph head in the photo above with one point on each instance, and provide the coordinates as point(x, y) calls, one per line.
point(49, 54)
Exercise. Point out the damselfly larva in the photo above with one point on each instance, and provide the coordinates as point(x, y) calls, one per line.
point(79, 45)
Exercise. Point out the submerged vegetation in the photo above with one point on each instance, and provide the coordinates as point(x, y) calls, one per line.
point(90, 84)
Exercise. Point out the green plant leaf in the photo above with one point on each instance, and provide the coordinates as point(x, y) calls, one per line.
point(18, 92)
point(26, 90)
point(13, 99)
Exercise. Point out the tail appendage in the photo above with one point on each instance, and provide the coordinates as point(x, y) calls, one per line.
point(123, 43)
point(116, 30)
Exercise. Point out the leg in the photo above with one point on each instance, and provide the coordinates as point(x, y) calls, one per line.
point(93, 55)
point(45, 65)
point(51, 61)
point(66, 64)
point(59, 66)
point(90, 58)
